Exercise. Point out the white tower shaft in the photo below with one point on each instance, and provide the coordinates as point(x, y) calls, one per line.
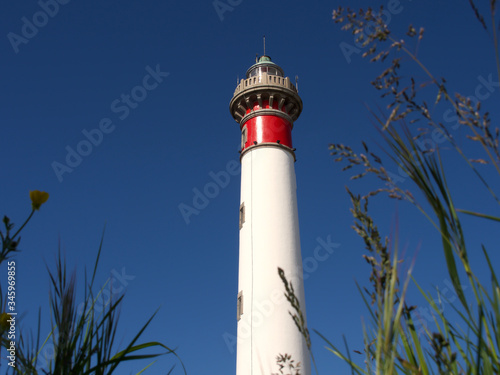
point(269, 238)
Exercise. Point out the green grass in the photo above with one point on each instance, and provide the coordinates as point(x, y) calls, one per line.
point(83, 343)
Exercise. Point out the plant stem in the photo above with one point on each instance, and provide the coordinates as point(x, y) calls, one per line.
point(22, 226)
point(457, 109)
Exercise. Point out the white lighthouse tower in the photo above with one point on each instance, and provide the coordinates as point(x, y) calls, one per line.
point(265, 105)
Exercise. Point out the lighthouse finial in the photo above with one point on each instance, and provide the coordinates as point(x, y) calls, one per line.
point(264, 38)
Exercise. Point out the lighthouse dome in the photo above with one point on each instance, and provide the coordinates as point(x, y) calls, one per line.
point(264, 65)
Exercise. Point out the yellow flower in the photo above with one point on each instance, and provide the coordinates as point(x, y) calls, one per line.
point(38, 198)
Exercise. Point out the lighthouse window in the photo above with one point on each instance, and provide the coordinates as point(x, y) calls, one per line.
point(242, 215)
point(273, 71)
point(239, 307)
point(257, 71)
point(243, 138)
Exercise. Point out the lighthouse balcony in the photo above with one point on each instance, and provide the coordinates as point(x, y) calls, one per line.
point(267, 93)
point(264, 79)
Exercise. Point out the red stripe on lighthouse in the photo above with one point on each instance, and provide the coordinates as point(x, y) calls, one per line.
point(267, 129)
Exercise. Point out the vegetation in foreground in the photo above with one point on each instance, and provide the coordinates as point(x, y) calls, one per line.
point(82, 342)
point(396, 341)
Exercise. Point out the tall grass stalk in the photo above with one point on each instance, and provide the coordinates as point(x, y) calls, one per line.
point(84, 341)
point(395, 339)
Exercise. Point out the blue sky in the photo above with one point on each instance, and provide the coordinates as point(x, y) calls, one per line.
point(74, 74)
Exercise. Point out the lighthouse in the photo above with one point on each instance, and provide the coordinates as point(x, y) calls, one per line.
point(265, 105)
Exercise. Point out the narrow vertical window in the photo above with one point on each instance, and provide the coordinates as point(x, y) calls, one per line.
point(243, 138)
point(242, 215)
point(239, 307)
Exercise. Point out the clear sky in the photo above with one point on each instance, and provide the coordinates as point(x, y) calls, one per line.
point(81, 69)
